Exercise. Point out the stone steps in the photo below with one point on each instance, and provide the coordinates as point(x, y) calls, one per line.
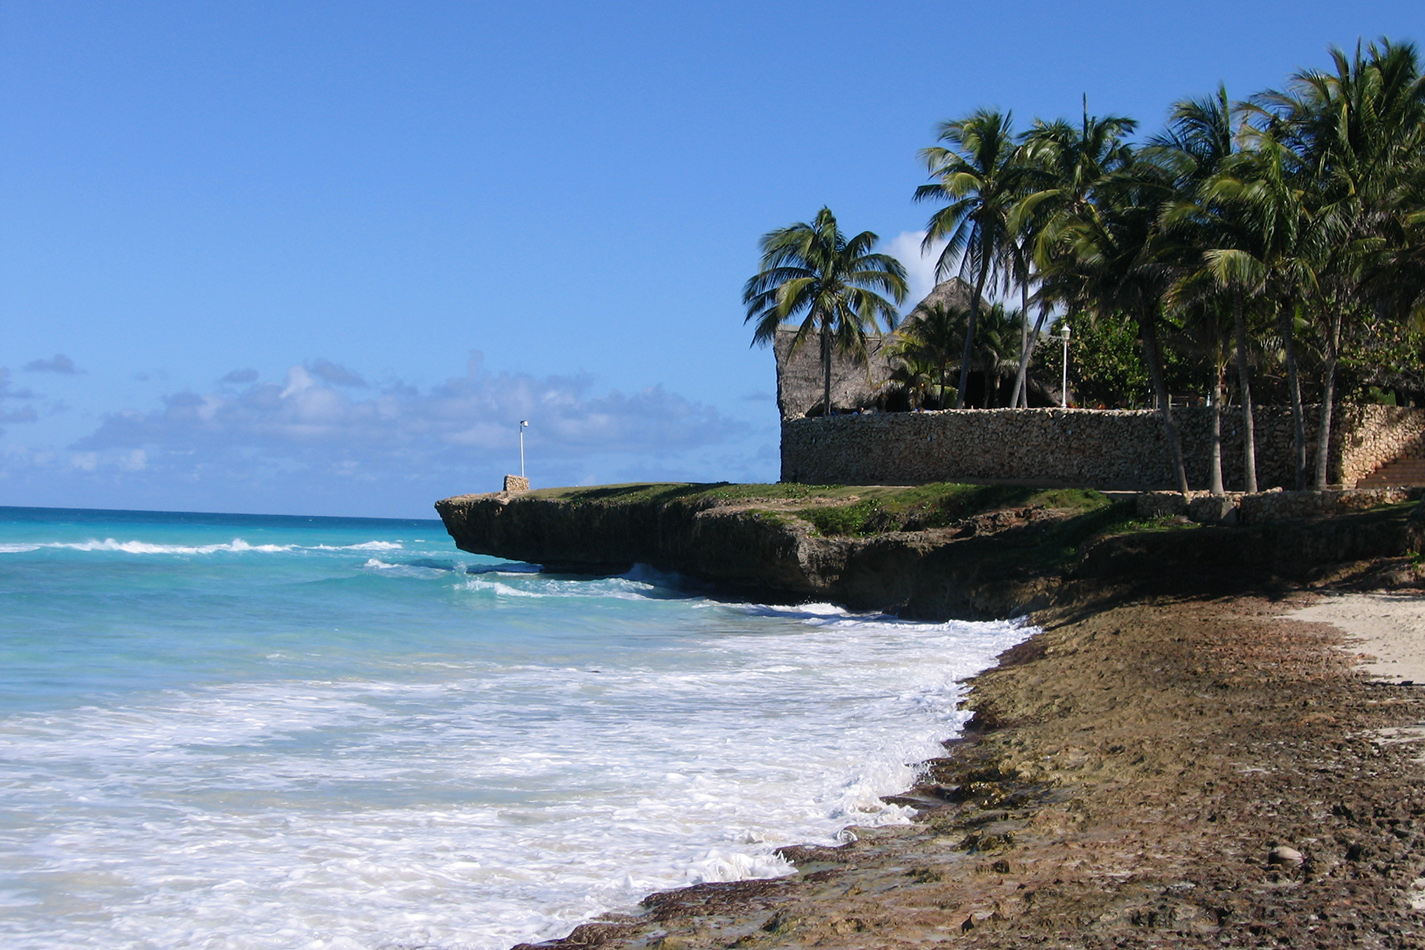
point(1399, 472)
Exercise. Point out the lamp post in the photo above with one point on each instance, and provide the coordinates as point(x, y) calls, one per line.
point(523, 426)
point(1064, 390)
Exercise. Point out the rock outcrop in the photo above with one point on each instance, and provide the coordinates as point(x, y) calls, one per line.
point(989, 565)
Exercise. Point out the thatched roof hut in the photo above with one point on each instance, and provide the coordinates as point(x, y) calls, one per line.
point(855, 384)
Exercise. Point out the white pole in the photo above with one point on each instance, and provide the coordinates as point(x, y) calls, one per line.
point(523, 425)
point(1064, 393)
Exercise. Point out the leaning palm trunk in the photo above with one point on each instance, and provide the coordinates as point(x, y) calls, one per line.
point(1021, 377)
point(1152, 355)
point(1244, 381)
point(1293, 378)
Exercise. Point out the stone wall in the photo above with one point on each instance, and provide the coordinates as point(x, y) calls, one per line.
point(1111, 449)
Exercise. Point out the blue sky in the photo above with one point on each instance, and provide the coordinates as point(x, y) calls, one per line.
point(321, 258)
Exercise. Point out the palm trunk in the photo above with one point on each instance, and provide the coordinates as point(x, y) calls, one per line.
point(970, 335)
point(1021, 377)
point(1293, 378)
point(1152, 355)
point(1023, 345)
point(1244, 382)
point(826, 369)
point(1215, 460)
point(1328, 397)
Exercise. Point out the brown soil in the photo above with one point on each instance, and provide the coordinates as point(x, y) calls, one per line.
point(1129, 773)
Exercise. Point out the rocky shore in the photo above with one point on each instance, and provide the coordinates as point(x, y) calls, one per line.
point(1171, 763)
point(1165, 771)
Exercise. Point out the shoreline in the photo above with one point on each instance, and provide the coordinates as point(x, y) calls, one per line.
point(1170, 762)
point(1159, 769)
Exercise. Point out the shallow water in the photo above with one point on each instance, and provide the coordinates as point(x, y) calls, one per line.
point(244, 732)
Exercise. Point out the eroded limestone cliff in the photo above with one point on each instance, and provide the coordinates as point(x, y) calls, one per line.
point(993, 564)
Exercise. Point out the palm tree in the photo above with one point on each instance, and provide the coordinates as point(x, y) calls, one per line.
point(1220, 246)
point(916, 375)
point(1060, 166)
point(1355, 131)
point(994, 346)
point(979, 174)
point(816, 271)
point(1110, 261)
point(1273, 262)
point(933, 334)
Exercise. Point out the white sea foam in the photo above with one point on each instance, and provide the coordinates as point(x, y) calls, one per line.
point(503, 805)
point(545, 750)
point(526, 584)
point(363, 546)
point(237, 545)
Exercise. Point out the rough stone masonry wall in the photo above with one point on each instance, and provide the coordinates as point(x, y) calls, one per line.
point(1113, 449)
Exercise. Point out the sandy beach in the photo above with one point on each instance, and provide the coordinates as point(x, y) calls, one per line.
point(1384, 631)
point(1160, 771)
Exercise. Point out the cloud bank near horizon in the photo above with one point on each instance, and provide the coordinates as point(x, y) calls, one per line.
point(324, 428)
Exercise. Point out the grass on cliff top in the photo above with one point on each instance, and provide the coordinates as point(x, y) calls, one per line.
point(845, 510)
point(921, 507)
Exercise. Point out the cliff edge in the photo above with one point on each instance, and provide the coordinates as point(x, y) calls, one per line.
point(930, 552)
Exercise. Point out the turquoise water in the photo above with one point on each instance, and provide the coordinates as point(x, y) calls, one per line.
point(234, 731)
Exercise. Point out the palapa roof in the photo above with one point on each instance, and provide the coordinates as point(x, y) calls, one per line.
point(854, 382)
point(948, 293)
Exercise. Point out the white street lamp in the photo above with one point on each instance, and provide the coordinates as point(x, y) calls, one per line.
point(523, 426)
point(1064, 390)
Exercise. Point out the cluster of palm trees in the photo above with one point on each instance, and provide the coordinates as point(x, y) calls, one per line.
point(1280, 234)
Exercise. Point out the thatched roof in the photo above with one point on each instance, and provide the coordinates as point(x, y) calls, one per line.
point(853, 383)
point(948, 293)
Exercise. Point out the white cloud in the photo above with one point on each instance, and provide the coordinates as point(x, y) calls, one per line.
point(59, 363)
point(237, 377)
point(313, 420)
point(920, 267)
point(336, 374)
point(6, 392)
point(20, 414)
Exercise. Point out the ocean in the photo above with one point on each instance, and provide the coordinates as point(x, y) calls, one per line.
point(237, 731)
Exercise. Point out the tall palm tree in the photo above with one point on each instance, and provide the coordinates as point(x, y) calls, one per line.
point(977, 171)
point(1200, 142)
point(1356, 131)
point(1271, 260)
point(834, 282)
point(1060, 166)
point(1110, 261)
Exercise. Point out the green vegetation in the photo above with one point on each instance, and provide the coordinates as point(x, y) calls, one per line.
point(814, 269)
point(1270, 249)
point(849, 510)
point(921, 507)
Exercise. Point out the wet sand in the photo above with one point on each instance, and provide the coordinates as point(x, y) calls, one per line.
point(1158, 772)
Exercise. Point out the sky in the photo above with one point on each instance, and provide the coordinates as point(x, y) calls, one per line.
point(322, 258)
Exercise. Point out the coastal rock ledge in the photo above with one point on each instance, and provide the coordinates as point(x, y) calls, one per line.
point(935, 574)
point(990, 565)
